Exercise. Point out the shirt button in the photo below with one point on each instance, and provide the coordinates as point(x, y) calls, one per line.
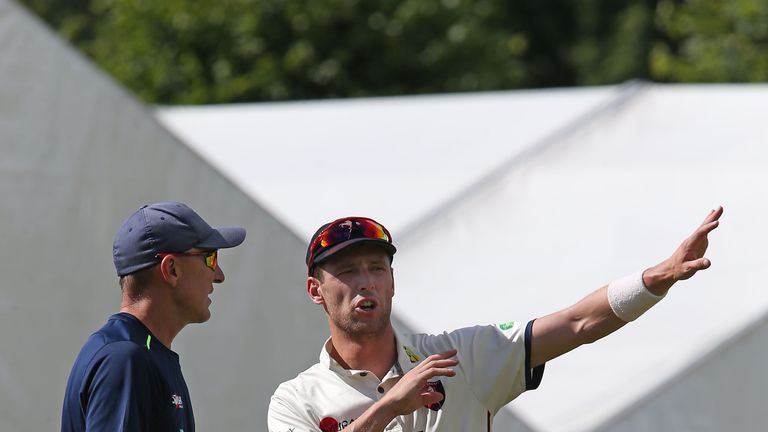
point(363, 374)
point(380, 389)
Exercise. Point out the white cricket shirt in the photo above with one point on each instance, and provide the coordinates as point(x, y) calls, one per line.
point(493, 369)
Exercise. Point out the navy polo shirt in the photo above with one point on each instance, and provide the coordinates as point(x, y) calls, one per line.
point(124, 379)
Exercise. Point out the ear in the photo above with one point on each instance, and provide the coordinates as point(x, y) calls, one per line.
point(392, 273)
point(313, 289)
point(170, 270)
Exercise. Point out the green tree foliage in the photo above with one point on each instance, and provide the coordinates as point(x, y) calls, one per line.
point(212, 51)
point(711, 41)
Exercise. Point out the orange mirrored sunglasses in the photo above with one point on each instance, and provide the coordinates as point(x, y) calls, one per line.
point(210, 257)
point(345, 229)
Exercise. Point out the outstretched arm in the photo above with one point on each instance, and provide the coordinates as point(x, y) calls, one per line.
point(593, 317)
point(409, 394)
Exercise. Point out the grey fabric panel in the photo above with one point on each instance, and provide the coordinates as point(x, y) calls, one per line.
point(724, 390)
point(79, 154)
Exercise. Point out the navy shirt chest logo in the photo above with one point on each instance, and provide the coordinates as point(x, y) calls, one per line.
point(177, 401)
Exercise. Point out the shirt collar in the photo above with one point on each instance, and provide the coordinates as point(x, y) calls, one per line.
point(407, 359)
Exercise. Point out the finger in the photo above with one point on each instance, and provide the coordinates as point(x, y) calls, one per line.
point(441, 363)
point(429, 397)
point(707, 228)
point(444, 354)
point(438, 357)
point(436, 364)
point(433, 372)
point(713, 215)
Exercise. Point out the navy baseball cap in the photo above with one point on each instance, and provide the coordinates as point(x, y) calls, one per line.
point(338, 235)
point(166, 227)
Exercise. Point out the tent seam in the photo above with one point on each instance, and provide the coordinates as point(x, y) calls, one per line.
point(626, 92)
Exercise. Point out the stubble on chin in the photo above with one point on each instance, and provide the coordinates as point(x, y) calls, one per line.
point(355, 328)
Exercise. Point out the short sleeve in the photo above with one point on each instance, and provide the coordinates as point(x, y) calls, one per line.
point(116, 396)
point(283, 416)
point(496, 361)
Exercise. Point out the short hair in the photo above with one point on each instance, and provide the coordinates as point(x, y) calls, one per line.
point(135, 284)
point(316, 273)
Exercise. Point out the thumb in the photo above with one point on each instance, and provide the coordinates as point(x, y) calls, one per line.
point(691, 267)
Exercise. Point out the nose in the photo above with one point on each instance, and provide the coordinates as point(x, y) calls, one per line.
point(367, 280)
point(218, 275)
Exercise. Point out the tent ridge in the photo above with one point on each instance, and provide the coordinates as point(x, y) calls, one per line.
point(625, 93)
point(232, 179)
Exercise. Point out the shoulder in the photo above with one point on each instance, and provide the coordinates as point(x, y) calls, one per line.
point(303, 382)
point(119, 359)
point(292, 398)
point(122, 340)
point(115, 369)
point(436, 342)
point(103, 346)
point(125, 352)
point(464, 338)
point(311, 387)
point(293, 404)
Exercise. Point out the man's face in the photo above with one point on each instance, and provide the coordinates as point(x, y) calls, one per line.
point(195, 285)
point(356, 287)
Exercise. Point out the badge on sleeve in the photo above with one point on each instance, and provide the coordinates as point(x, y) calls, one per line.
point(436, 386)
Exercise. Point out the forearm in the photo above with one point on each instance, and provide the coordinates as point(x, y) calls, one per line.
point(623, 300)
point(600, 313)
point(588, 320)
point(592, 318)
point(374, 419)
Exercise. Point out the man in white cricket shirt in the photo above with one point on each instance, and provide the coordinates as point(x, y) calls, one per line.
point(372, 379)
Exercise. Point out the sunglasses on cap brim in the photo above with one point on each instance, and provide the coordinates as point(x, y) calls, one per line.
point(344, 229)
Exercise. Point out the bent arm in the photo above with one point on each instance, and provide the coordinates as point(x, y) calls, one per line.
point(408, 395)
point(593, 318)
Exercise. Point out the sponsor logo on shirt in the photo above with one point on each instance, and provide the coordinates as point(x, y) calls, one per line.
point(177, 402)
point(330, 424)
point(507, 326)
point(436, 386)
point(411, 355)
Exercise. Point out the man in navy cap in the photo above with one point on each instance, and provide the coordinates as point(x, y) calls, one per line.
point(126, 378)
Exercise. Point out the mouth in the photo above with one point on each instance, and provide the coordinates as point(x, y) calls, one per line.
point(365, 305)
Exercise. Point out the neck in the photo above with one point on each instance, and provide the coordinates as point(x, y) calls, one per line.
point(373, 353)
point(154, 317)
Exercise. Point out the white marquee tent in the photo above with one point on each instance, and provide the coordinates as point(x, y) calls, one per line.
point(511, 205)
point(504, 206)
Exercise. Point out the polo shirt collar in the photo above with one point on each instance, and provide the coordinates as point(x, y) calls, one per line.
point(407, 359)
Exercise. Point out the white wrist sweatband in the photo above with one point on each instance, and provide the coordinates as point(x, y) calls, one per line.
point(629, 298)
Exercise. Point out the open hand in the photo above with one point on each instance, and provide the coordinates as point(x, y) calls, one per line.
point(689, 256)
point(411, 392)
point(686, 260)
